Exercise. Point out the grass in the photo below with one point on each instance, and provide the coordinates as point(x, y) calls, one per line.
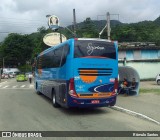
point(157, 91)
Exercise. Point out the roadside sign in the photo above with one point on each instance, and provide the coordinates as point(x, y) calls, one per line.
point(53, 22)
point(53, 39)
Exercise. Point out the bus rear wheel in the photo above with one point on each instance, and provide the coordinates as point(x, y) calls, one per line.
point(54, 100)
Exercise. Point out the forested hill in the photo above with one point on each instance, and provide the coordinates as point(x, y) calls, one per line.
point(17, 48)
point(137, 32)
point(157, 21)
point(101, 23)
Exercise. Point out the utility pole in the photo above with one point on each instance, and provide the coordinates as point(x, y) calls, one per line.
point(3, 62)
point(74, 22)
point(108, 26)
point(1, 69)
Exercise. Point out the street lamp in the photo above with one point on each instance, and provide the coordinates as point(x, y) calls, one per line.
point(69, 30)
point(102, 31)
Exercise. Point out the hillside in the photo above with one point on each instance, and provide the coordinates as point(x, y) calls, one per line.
point(101, 23)
point(148, 31)
point(15, 45)
point(157, 21)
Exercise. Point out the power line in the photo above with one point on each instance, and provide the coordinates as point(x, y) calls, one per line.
point(19, 23)
point(29, 26)
point(4, 22)
point(21, 19)
point(14, 32)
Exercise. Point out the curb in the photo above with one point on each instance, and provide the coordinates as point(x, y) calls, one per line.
point(136, 114)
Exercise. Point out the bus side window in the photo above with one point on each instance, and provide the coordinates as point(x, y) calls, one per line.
point(57, 56)
point(65, 53)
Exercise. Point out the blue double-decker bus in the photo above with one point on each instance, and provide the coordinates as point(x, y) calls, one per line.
point(79, 72)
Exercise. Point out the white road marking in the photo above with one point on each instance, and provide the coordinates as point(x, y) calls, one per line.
point(14, 86)
point(31, 86)
point(5, 86)
point(3, 82)
point(23, 86)
point(136, 114)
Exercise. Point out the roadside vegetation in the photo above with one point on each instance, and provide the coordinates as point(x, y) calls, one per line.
point(143, 91)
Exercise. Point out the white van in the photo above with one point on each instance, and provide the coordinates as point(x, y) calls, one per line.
point(158, 79)
point(13, 70)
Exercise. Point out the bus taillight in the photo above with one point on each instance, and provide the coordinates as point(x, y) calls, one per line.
point(72, 91)
point(76, 39)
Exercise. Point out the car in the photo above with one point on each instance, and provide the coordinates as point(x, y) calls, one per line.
point(158, 79)
point(5, 75)
point(21, 77)
point(11, 74)
point(2, 76)
point(16, 73)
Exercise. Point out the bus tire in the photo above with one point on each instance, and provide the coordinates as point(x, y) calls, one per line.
point(39, 93)
point(158, 82)
point(54, 100)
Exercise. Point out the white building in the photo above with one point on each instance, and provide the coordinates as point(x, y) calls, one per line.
point(144, 57)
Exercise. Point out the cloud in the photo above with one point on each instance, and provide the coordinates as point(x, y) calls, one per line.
point(27, 15)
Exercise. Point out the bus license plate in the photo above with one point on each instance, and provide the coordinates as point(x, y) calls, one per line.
point(95, 101)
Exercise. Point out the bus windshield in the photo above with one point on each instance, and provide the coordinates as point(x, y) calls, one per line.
point(92, 48)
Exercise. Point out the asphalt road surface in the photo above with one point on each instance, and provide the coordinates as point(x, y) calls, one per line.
point(21, 109)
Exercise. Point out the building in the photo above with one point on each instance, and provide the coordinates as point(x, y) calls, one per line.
point(143, 56)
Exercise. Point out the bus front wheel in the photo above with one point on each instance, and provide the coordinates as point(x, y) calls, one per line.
point(54, 100)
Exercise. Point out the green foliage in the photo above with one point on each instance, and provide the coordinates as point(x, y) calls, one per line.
point(16, 49)
point(146, 31)
point(88, 29)
point(25, 68)
point(145, 91)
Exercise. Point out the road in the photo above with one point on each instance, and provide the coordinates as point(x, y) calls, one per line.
point(21, 109)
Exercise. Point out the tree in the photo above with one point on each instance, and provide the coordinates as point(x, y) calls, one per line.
point(88, 29)
point(16, 49)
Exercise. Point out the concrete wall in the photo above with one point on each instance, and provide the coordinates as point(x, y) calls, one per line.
point(146, 70)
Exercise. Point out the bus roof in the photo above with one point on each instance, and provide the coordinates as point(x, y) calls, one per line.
point(98, 39)
point(57, 46)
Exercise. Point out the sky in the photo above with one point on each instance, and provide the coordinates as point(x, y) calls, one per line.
point(25, 16)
